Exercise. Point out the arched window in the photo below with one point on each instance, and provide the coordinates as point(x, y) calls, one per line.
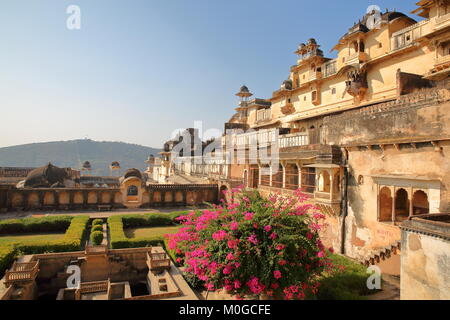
point(337, 183)
point(362, 46)
point(132, 191)
point(401, 205)
point(292, 177)
point(324, 182)
point(277, 177)
point(420, 203)
point(385, 204)
point(265, 175)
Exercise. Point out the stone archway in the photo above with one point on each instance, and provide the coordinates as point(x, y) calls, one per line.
point(420, 203)
point(385, 204)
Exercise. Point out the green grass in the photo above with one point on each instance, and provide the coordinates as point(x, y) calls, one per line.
point(346, 284)
point(150, 232)
point(15, 238)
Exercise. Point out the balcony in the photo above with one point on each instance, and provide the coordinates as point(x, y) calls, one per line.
point(356, 58)
point(442, 62)
point(315, 75)
point(263, 115)
point(293, 140)
point(406, 37)
point(329, 68)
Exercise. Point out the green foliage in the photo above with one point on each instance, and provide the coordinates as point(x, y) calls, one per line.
point(97, 222)
point(117, 224)
point(97, 237)
point(346, 282)
point(35, 225)
point(72, 241)
point(97, 227)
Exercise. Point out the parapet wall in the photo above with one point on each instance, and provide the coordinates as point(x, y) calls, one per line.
point(14, 199)
point(413, 117)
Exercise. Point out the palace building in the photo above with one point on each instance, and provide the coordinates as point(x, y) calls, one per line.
point(366, 135)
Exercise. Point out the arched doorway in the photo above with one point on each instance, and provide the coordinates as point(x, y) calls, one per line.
point(254, 177)
point(420, 203)
point(277, 177)
point(401, 205)
point(132, 191)
point(292, 181)
point(324, 181)
point(385, 204)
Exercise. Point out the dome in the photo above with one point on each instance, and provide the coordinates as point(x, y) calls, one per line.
point(115, 164)
point(244, 89)
point(46, 176)
point(132, 173)
point(86, 165)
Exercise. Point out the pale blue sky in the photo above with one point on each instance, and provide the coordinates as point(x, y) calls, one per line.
point(139, 69)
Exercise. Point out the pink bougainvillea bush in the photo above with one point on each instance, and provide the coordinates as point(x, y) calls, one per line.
point(252, 246)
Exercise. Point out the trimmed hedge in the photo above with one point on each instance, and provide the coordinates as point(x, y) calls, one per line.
point(72, 241)
point(35, 225)
point(97, 227)
point(97, 222)
point(97, 237)
point(117, 224)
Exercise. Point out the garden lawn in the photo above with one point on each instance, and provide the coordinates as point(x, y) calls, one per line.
point(350, 283)
point(150, 232)
point(15, 238)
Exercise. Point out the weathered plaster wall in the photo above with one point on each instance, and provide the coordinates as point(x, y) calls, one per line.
point(425, 265)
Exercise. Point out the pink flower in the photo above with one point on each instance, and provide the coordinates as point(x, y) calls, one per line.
point(267, 228)
point(282, 262)
point(237, 284)
point(320, 254)
point(253, 239)
point(273, 236)
point(249, 215)
point(277, 274)
point(230, 256)
point(219, 235)
point(280, 247)
point(255, 286)
point(234, 226)
point(227, 270)
point(232, 244)
point(228, 287)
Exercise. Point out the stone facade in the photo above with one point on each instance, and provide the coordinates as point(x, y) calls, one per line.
point(366, 135)
point(425, 258)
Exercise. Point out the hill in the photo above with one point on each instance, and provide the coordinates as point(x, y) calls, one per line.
point(74, 153)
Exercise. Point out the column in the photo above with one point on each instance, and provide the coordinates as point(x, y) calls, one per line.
point(411, 196)
point(284, 175)
point(393, 204)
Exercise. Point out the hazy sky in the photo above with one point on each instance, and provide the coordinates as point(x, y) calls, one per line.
point(137, 70)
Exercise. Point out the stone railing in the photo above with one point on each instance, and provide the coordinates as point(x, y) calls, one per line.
point(158, 261)
point(407, 36)
point(21, 272)
point(442, 60)
point(96, 250)
point(293, 140)
point(417, 99)
point(314, 75)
